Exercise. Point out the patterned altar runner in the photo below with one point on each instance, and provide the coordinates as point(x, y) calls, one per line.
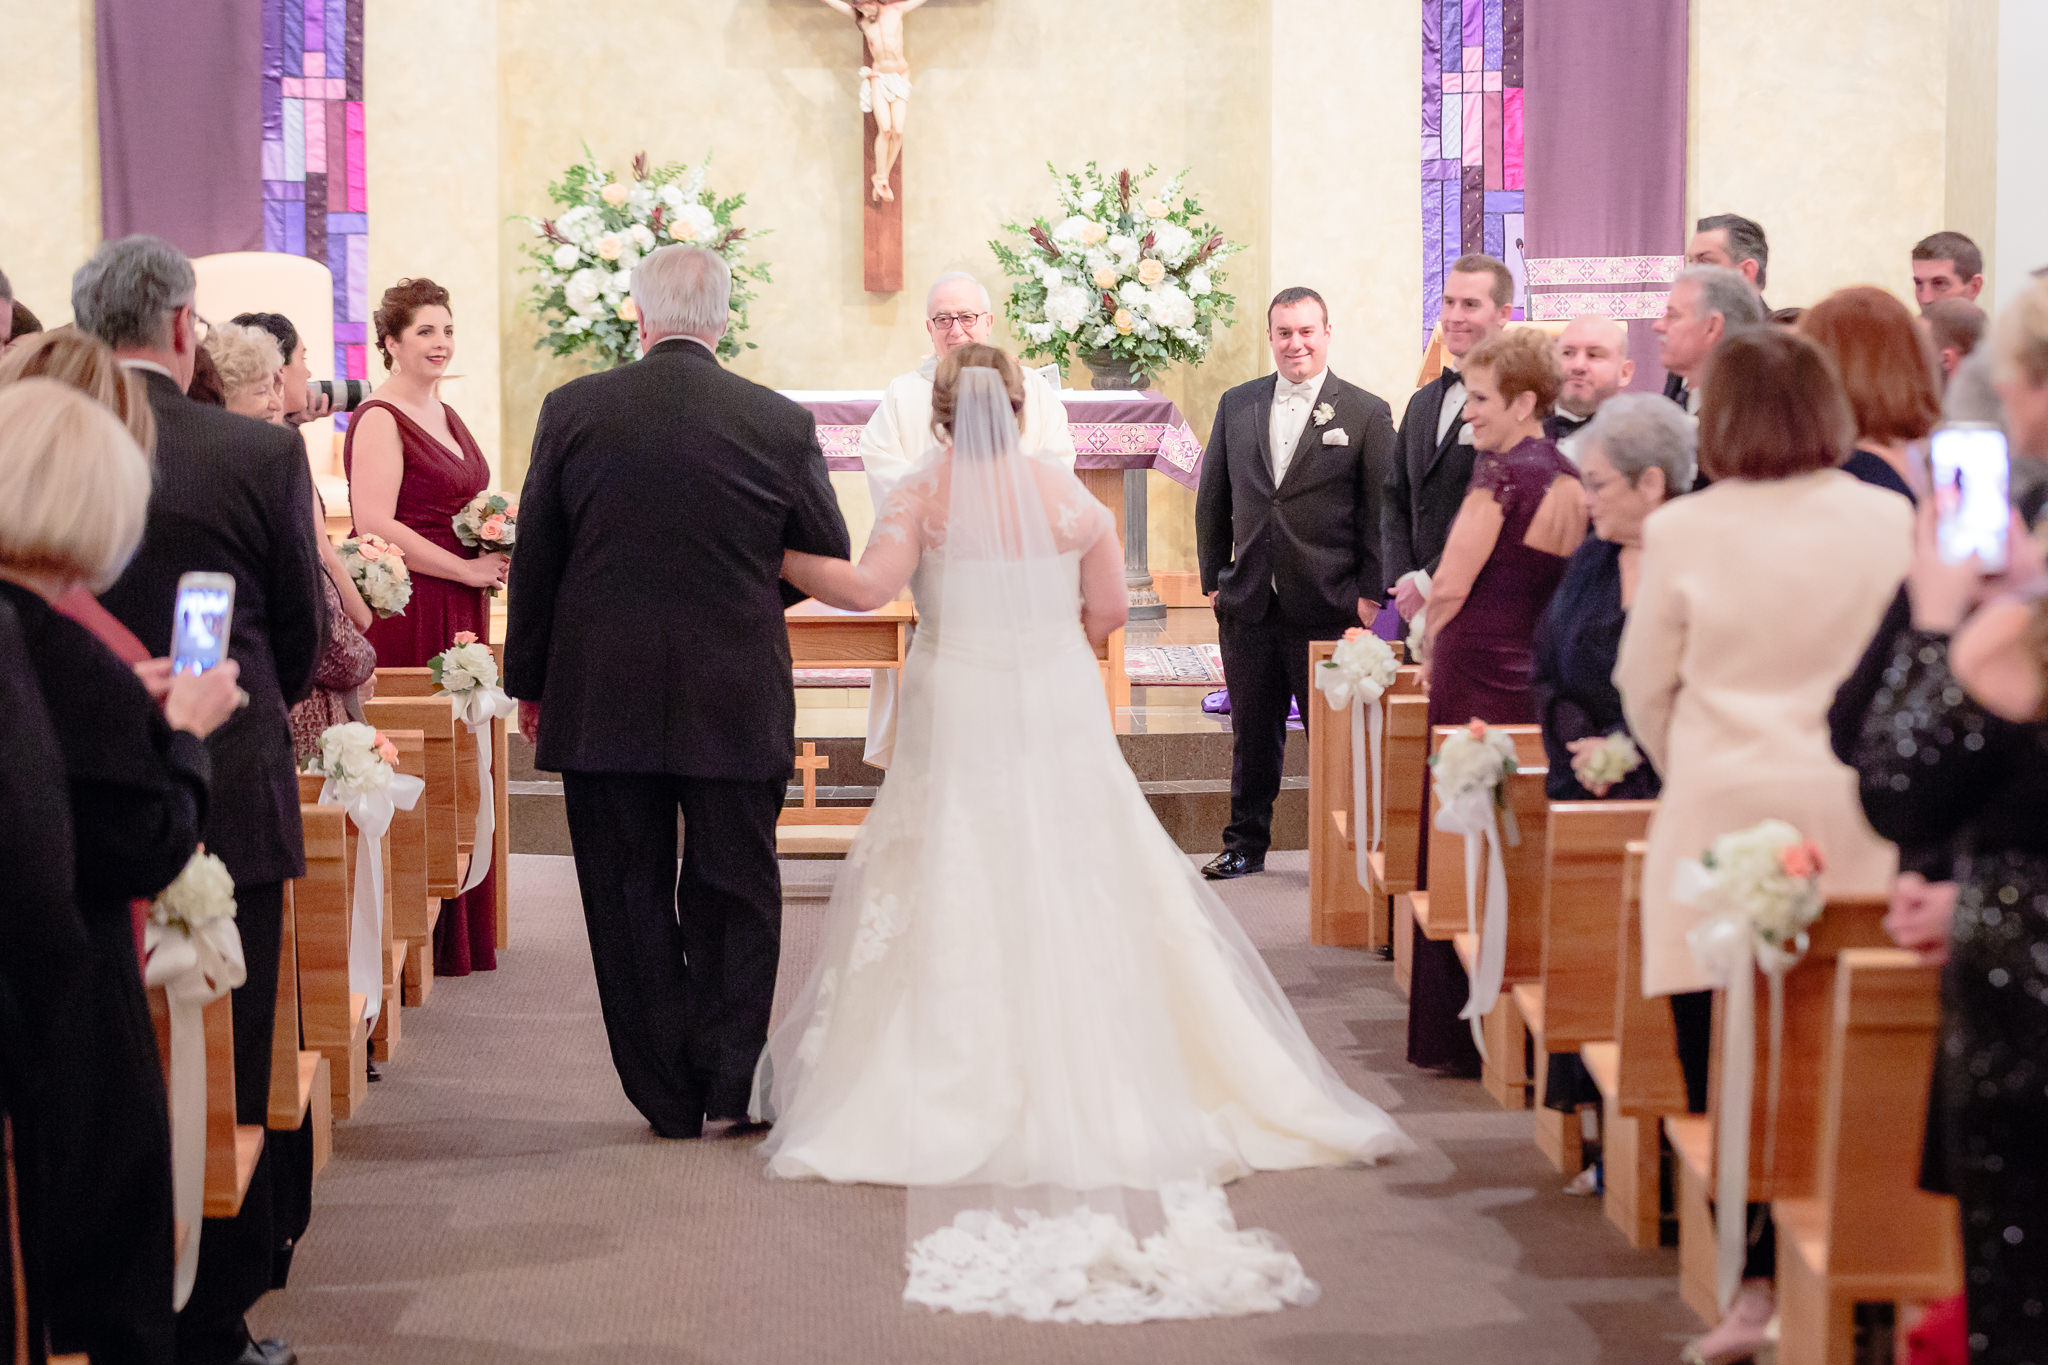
point(1112, 430)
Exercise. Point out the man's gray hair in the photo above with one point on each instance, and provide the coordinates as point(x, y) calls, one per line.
point(1746, 240)
point(1727, 293)
point(684, 291)
point(1639, 431)
point(6, 289)
point(987, 304)
point(125, 294)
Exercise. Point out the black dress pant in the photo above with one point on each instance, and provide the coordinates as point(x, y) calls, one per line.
point(685, 963)
point(1692, 1018)
point(237, 1255)
point(1265, 665)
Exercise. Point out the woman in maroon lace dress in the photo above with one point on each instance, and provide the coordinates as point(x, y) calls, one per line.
point(1523, 517)
point(412, 465)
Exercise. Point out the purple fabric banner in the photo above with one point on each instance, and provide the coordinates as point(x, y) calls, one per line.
point(181, 122)
point(1605, 131)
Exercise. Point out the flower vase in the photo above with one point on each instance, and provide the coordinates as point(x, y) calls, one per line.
point(1108, 372)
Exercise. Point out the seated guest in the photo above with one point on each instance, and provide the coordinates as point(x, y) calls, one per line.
point(1522, 518)
point(74, 492)
point(1888, 376)
point(1637, 451)
point(1707, 303)
point(1594, 354)
point(1756, 595)
point(1947, 265)
point(250, 369)
point(1953, 327)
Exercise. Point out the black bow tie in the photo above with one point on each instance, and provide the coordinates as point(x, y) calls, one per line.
point(1451, 377)
point(1568, 424)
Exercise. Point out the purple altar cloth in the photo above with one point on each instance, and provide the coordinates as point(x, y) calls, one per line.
point(1115, 430)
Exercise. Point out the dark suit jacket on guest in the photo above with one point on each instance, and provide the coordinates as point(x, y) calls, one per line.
point(234, 495)
point(1314, 539)
point(646, 602)
point(1426, 486)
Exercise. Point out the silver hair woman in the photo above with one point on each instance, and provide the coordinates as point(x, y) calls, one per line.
point(251, 369)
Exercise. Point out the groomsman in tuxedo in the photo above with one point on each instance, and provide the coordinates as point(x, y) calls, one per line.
point(648, 651)
point(1707, 303)
point(1593, 352)
point(1287, 532)
point(1433, 463)
point(231, 496)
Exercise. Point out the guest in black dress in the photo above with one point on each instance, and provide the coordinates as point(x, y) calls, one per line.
point(74, 490)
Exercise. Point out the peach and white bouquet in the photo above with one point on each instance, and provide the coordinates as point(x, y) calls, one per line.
point(1765, 878)
point(1362, 666)
point(490, 522)
point(1601, 763)
point(1474, 758)
point(464, 666)
point(378, 568)
point(354, 757)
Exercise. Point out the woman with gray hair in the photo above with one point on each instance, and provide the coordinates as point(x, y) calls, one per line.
point(1637, 452)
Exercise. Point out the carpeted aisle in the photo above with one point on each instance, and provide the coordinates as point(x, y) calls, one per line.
point(499, 1203)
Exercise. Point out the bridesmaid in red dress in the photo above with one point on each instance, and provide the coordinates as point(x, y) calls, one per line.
point(411, 466)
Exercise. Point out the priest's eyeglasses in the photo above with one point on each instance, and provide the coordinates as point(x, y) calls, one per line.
point(946, 322)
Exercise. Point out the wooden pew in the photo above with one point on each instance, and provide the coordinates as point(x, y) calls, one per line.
point(1571, 1003)
point(1341, 911)
point(332, 1018)
point(231, 1148)
point(1867, 1233)
point(300, 1081)
point(409, 911)
point(404, 702)
point(1398, 863)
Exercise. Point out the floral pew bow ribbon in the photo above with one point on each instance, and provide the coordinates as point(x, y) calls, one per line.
point(1760, 889)
point(468, 672)
point(1470, 776)
point(1357, 674)
point(194, 952)
point(361, 768)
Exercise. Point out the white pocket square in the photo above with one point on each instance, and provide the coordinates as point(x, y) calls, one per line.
point(1335, 437)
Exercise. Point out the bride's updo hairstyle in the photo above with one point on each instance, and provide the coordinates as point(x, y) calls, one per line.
point(972, 356)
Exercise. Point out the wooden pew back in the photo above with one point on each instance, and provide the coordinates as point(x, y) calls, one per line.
point(1585, 845)
point(1407, 749)
point(1648, 1080)
point(434, 718)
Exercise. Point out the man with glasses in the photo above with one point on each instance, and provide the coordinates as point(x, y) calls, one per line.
point(899, 437)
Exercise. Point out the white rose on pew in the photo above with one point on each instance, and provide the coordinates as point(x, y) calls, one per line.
point(464, 666)
point(1768, 875)
point(1360, 666)
point(355, 757)
point(1475, 757)
point(202, 894)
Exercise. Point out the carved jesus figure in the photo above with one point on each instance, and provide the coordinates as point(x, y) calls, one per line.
point(884, 81)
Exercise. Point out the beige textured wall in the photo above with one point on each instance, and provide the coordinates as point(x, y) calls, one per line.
point(49, 161)
point(1970, 167)
point(1823, 120)
point(432, 134)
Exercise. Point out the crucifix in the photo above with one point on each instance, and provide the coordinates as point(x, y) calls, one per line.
point(885, 102)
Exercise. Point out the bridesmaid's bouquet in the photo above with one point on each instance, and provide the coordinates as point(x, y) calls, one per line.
point(378, 569)
point(490, 522)
point(1601, 764)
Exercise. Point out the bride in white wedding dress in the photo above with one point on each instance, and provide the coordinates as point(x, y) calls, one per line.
point(1027, 1008)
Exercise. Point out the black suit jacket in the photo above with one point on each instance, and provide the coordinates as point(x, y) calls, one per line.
point(1675, 389)
point(1426, 486)
point(234, 495)
point(647, 599)
point(1316, 537)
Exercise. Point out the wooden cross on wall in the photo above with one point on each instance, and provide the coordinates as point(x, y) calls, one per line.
point(885, 105)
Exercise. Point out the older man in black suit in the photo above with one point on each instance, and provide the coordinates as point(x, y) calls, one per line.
point(647, 627)
point(1287, 532)
point(232, 495)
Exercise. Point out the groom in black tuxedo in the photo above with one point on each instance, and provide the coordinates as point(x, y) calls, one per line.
point(1287, 530)
point(648, 650)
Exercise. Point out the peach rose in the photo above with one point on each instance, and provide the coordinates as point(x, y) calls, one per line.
point(1355, 633)
point(369, 550)
point(608, 247)
point(613, 194)
point(1124, 321)
point(1156, 208)
point(1151, 271)
point(1105, 278)
point(1093, 234)
point(512, 508)
point(387, 750)
point(681, 230)
point(1801, 860)
point(465, 637)
point(492, 529)
point(629, 311)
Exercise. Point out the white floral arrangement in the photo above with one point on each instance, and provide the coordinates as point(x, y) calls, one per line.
point(202, 894)
point(1599, 766)
point(1473, 758)
point(378, 569)
point(354, 757)
point(583, 257)
point(1362, 666)
point(1767, 876)
point(464, 666)
point(1118, 271)
point(489, 521)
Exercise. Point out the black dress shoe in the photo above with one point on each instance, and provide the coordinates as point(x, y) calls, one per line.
point(1229, 864)
point(270, 1351)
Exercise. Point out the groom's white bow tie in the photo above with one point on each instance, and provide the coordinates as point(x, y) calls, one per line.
point(1287, 389)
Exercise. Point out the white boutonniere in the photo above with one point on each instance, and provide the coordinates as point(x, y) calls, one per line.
point(1324, 412)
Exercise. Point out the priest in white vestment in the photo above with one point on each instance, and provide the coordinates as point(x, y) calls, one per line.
point(899, 436)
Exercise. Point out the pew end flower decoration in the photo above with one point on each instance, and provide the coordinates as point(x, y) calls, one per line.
point(1762, 882)
point(1362, 665)
point(583, 257)
point(1477, 756)
point(378, 569)
point(354, 757)
point(202, 894)
point(466, 665)
point(1117, 270)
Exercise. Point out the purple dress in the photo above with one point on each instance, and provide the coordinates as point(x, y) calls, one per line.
point(1484, 663)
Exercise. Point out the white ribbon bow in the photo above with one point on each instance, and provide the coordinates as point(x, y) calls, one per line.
point(1730, 954)
point(1472, 813)
point(1368, 723)
point(194, 970)
point(370, 808)
point(477, 707)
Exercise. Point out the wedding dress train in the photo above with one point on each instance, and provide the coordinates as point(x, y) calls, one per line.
point(1027, 1007)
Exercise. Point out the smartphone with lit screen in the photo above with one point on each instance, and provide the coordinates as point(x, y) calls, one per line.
point(201, 620)
point(1971, 472)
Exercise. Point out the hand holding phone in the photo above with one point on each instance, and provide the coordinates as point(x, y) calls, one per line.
point(201, 620)
point(1971, 473)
